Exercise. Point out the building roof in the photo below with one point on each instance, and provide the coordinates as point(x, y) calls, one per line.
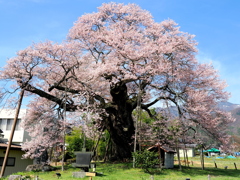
point(213, 150)
point(165, 148)
point(3, 146)
point(187, 145)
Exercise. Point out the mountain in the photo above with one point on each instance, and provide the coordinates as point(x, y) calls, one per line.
point(166, 111)
point(227, 106)
point(233, 128)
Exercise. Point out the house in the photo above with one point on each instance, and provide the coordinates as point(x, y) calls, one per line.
point(166, 154)
point(6, 121)
point(187, 148)
point(15, 163)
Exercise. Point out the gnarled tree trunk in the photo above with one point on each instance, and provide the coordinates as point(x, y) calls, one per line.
point(119, 123)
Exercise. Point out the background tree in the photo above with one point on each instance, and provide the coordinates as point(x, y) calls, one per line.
point(44, 127)
point(112, 55)
point(77, 140)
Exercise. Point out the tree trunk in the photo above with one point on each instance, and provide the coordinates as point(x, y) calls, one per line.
point(178, 156)
point(42, 159)
point(119, 123)
point(186, 151)
point(122, 140)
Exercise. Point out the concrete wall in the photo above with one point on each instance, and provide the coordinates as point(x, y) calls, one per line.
point(20, 164)
point(19, 135)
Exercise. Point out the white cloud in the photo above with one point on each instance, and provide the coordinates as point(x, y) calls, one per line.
point(226, 73)
point(203, 58)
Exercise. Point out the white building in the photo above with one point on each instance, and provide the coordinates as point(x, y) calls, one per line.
point(6, 121)
point(187, 148)
point(15, 163)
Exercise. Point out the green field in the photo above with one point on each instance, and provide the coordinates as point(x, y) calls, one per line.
point(124, 171)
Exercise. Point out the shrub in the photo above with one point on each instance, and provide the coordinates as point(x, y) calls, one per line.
point(146, 160)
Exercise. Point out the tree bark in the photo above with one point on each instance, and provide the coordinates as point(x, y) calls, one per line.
point(120, 123)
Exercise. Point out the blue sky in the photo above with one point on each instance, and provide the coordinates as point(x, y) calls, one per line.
point(216, 24)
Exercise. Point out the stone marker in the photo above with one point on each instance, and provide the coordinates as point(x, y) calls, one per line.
point(14, 177)
point(79, 174)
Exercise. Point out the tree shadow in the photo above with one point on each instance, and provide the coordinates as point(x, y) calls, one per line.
point(196, 171)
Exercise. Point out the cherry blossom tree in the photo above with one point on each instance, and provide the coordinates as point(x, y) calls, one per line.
point(45, 126)
point(110, 57)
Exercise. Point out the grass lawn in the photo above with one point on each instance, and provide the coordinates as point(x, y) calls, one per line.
point(124, 171)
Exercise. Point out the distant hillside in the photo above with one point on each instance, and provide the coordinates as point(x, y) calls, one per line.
point(171, 110)
point(227, 106)
point(233, 128)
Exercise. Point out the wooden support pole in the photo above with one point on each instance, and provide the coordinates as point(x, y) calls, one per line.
point(215, 164)
point(202, 157)
point(235, 166)
point(160, 156)
point(12, 133)
point(209, 177)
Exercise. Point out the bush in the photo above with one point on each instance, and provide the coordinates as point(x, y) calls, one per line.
point(146, 160)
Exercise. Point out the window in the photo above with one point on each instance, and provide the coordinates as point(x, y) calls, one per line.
point(10, 124)
point(18, 125)
point(10, 161)
point(1, 124)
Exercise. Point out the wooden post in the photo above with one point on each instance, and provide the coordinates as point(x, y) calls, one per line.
point(202, 158)
point(215, 164)
point(235, 166)
point(160, 156)
point(12, 133)
point(64, 125)
point(136, 123)
point(209, 177)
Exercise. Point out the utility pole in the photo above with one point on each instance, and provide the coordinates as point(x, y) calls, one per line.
point(12, 133)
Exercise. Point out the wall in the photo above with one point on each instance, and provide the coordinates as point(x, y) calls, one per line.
point(169, 160)
point(19, 134)
point(190, 152)
point(20, 164)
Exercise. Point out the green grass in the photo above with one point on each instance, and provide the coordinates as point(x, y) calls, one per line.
point(124, 171)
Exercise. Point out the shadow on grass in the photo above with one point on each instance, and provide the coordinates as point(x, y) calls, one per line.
point(115, 165)
point(197, 171)
point(186, 171)
point(100, 174)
